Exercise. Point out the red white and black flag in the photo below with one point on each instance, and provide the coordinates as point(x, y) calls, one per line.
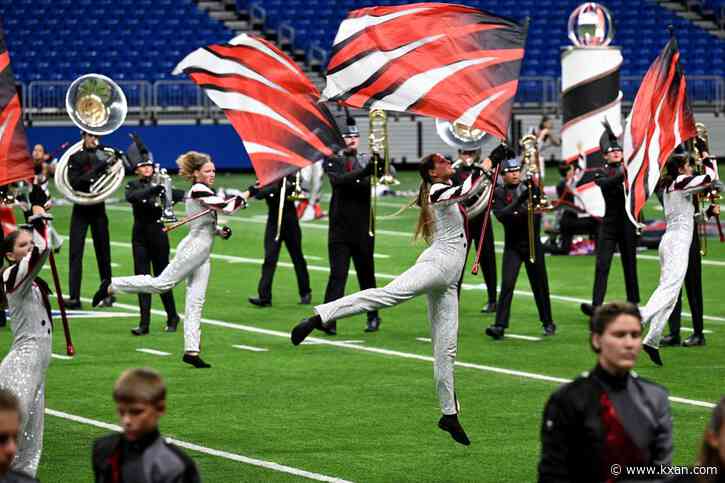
point(451, 62)
point(661, 118)
point(15, 161)
point(270, 102)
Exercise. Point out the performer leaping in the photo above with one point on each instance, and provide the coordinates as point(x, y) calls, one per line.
point(678, 185)
point(192, 254)
point(24, 368)
point(436, 273)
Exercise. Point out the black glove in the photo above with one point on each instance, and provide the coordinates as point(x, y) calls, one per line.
point(502, 152)
point(380, 165)
point(157, 190)
point(225, 232)
point(700, 144)
point(368, 169)
point(253, 190)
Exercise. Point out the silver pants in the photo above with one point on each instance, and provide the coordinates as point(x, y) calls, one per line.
point(23, 373)
point(429, 277)
point(674, 253)
point(191, 263)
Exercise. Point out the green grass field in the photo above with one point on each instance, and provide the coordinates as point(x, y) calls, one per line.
point(360, 407)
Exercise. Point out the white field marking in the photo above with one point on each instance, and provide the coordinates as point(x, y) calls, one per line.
point(203, 449)
point(319, 342)
point(388, 276)
point(522, 337)
point(380, 255)
point(424, 339)
point(403, 355)
point(153, 352)
point(93, 314)
point(689, 329)
point(250, 348)
point(60, 356)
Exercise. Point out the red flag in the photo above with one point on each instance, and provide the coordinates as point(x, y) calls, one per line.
point(661, 119)
point(441, 60)
point(15, 161)
point(270, 102)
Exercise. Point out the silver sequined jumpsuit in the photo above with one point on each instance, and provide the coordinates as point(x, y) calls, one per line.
point(436, 273)
point(674, 254)
point(23, 369)
point(191, 262)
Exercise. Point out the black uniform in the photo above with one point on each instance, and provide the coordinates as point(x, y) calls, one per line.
point(348, 236)
point(84, 167)
point(16, 477)
point(510, 208)
point(289, 233)
point(475, 225)
point(150, 243)
point(600, 420)
point(615, 231)
point(148, 460)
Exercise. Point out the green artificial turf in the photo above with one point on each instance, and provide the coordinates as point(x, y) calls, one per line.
point(349, 410)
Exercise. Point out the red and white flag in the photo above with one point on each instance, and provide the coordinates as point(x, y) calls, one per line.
point(451, 62)
point(15, 161)
point(270, 102)
point(661, 119)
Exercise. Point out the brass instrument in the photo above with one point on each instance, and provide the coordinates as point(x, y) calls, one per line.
point(379, 146)
point(98, 106)
point(699, 154)
point(297, 193)
point(280, 207)
point(165, 200)
point(540, 203)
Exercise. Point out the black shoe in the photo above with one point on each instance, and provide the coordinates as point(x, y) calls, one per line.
point(72, 304)
point(449, 423)
point(3, 318)
point(306, 299)
point(373, 325)
point(495, 332)
point(108, 301)
point(549, 329)
point(694, 340)
point(670, 341)
point(490, 308)
point(329, 328)
point(140, 330)
point(195, 361)
point(587, 309)
point(171, 324)
point(259, 302)
point(101, 293)
point(305, 328)
point(654, 354)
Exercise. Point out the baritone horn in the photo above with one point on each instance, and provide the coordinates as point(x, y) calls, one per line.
point(98, 106)
point(378, 143)
point(538, 203)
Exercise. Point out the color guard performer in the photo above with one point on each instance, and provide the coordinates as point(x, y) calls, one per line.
point(436, 273)
point(191, 262)
point(24, 368)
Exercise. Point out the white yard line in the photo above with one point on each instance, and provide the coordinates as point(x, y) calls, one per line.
point(424, 339)
point(404, 355)
point(250, 348)
point(153, 352)
point(322, 342)
point(269, 465)
point(60, 356)
point(522, 337)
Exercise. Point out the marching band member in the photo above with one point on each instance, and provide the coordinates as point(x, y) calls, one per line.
point(149, 241)
point(436, 273)
point(463, 169)
point(510, 208)
point(678, 185)
point(24, 368)
point(83, 169)
point(348, 236)
point(616, 230)
point(191, 262)
point(289, 233)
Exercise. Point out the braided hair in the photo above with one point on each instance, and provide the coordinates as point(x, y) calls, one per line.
point(424, 228)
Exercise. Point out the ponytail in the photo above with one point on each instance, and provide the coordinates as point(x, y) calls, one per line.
point(426, 223)
point(671, 172)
